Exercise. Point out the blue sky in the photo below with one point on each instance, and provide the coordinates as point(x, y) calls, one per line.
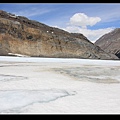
point(91, 19)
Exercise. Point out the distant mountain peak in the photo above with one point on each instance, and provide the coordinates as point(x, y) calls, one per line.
point(110, 42)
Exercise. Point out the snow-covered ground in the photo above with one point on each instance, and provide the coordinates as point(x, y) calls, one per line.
point(56, 85)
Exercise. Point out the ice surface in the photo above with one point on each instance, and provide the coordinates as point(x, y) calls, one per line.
point(16, 99)
point(5, 78)
point(57, 85)
point(93, 74)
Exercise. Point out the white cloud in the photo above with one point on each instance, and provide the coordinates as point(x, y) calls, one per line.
point(92, 35)
point(81, 19)
point(78, 24)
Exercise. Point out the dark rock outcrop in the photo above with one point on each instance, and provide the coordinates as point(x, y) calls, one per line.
point(110, 42)
point(19, 35)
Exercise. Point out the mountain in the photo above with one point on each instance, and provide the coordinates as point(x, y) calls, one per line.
point(20, 35)
point(110, 42)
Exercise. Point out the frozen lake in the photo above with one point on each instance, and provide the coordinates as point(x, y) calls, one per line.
point(56, 85)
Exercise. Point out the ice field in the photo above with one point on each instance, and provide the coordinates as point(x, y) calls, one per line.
point(59, 85)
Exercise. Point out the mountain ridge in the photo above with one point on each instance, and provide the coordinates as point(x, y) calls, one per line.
point(19, 35)
point(110, 42)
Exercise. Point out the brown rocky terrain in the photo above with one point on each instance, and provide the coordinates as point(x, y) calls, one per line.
point(110, 42)
point(19, 35)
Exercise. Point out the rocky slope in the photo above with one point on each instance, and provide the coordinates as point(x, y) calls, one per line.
point(19, 35)
point(110, 42)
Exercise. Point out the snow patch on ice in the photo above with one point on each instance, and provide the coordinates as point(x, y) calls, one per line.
point(14, 100)
point(18, 55)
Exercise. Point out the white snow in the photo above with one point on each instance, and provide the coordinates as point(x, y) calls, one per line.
point(18, 55)
point(14, 16)
point(59, 85)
